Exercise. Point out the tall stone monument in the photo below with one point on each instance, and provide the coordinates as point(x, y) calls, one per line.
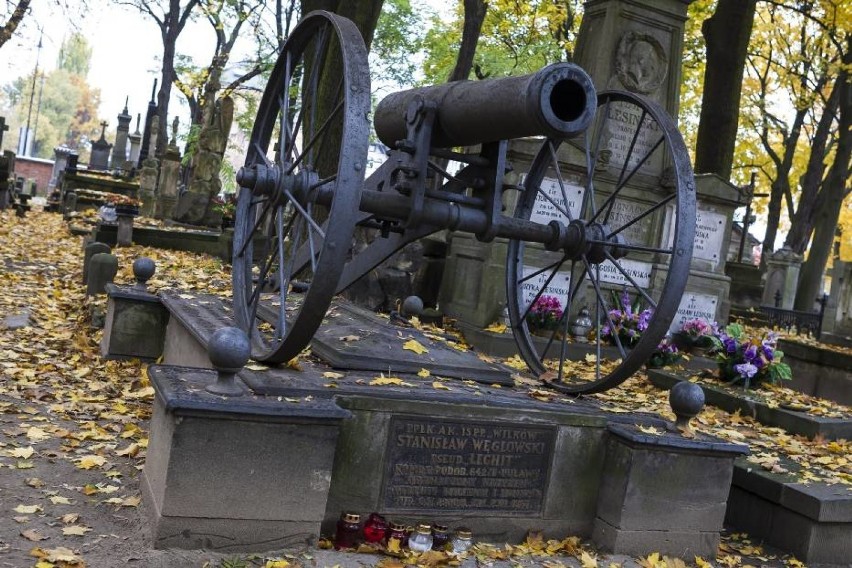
point(119, 150)
point(60, 159)
point(194, 204)
point(782, 278)
point(167, 189)
point(135, 143)
point(149, 173)
point(146, 132)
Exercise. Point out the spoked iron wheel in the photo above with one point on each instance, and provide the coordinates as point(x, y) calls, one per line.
point(626, 193)
point(299, 197)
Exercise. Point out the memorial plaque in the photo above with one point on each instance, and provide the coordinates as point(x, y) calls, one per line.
point(709, 235)
point(623, 212)
point(624, 120)
point(639, 271)
point(558, 286)
point(694, 305)
point(439, 466)
point(552, 207)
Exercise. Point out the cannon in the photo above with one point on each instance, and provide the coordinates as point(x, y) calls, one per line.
point(303, 198)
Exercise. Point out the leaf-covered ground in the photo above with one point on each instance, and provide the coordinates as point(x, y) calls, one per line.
point(73, 429)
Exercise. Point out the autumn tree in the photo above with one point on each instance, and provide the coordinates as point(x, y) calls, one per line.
point(171, 17)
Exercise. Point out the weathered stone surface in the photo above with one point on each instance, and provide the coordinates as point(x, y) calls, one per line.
point(227, 465)
point(135, 325)
point(380, 348)
point(102, 270)
point(819, 372)
point(89, 251)
point(679, 544)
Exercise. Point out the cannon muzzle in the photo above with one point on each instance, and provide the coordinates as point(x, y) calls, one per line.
point(557, 101)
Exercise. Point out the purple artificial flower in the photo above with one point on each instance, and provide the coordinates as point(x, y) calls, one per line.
point(730, 344)
point(644, 319)
point(746, 370)
point(768, 352)
point(750, 353)
point(625, 301)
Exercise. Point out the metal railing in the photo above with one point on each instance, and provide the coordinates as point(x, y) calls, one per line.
point(803, 322)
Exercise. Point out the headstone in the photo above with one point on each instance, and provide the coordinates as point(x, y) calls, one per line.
point(148, 177)
point(60, 159)
point(71, 163)
point(194, 204)
point(100, 151)
point(135, 143)
point(146, 134)
point(782, 278)
point(167, 188)
point(102, 270)
point(5, 186)
point(69, 205)
point(124, 234)
point(89, 251)
point(119, 151)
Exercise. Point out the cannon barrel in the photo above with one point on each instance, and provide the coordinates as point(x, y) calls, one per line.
point(556, 101)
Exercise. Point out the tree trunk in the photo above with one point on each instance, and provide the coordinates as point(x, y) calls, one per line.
point(474, 16)
point(834, 190)
point(8, 30)
point(727, 34)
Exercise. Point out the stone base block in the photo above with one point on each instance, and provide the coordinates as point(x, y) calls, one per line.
point(663, 493)
point(245, 473)
point(135, 325)
point(679, 544)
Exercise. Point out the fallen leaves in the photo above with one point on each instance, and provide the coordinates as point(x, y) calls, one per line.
point(383, 381)
point(414, 345)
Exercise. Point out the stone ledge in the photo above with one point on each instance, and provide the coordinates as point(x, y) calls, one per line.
point(639, 543)
point(791, 421)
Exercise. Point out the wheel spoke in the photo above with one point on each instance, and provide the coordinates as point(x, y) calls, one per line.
point(602, 302)
point(621, 181)
point(641, 216)
point(632, 172)
point(306, 148)
point(254, 228)
point(298, 207)
point(281, 328)
point(642, 292)
point(543, 288)
point(555, 158)
point(639, 248)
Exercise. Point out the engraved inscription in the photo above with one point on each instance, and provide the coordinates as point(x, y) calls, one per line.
point(623, 122)
point(639, 271)
point(694, 305)
point(624, 212)
point(436, 465)
point(709, 235)
point(558, 286)
point(550, 202)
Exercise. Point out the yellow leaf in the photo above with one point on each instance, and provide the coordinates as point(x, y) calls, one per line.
point(333, 375)
point(701, 563)
point(257, 367)
point(294, 364)
point(59, 500)
point(276, 564)
point(416, 346)
point(496, 327)
point(131, 502)
point(88, 462)
point(24, 453)
point(82, 372)
point(37, 434)
point(587, 560)
point(423, 373)
point(69, 518)
point(75, 530)
point(130, 450)
point(27, 509)
point(653, 432)
point(35, 482)
point(33, 535)
point(591, 358)
point(393, 546)
point(386, 381)
point(89, 489)
point(440, 386)
point(61, 554)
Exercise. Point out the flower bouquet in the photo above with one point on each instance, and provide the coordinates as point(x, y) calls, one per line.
point(545, 313)
point(748, 360)
point(666, 354)
point(695, 335)
point(627, 322)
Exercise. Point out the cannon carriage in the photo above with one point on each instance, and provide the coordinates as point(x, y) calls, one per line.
point(303, 196)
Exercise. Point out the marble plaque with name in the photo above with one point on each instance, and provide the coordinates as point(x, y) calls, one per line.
point(694, 305)
point(559, 286)
point(623, 143)
point(709, 235)
point(552, 207)
point(439, 466)
point(623, 212)
point(639, 271)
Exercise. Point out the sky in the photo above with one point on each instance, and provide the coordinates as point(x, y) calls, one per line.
point(125, 51)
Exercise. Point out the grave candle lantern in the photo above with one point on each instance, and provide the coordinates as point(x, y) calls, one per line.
point(375, 528)
point(348, 529)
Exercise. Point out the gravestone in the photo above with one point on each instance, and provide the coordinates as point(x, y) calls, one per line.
point(149, 174)
point(102, 270)
point(60, 159)
point(135, 143)
point(90, 250)
point(194, 204)
point(167, 189)
point(146, 132)
point(124, 233)
point(99, 159)
point(782, 278)
point(119, 150)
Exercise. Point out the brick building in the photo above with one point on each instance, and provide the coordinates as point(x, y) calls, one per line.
point(34, 168)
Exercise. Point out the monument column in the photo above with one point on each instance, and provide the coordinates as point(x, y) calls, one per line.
point(782, 278)
point(119, 150)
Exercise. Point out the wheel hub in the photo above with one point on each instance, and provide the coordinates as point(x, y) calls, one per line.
point(269, 181)
point(592, 240)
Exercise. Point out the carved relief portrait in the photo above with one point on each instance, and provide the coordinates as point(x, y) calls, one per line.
point(640, 62)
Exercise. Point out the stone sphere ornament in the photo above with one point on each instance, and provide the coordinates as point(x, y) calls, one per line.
point(143, 270)
point(229, 350)
point(412, 306)
point(686, 400)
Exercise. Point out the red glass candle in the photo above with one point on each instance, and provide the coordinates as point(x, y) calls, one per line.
point(375, 528)
point(348, 530)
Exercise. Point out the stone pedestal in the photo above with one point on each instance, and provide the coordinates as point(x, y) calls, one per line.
point(782, 278)
point(124, 235)
point(235, 474)
point(148, 186)
point(167, 189)
point(135, 324)
point(665, 494)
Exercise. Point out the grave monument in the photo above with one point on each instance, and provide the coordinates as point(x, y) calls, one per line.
point(119, 150)
point(99, 160)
